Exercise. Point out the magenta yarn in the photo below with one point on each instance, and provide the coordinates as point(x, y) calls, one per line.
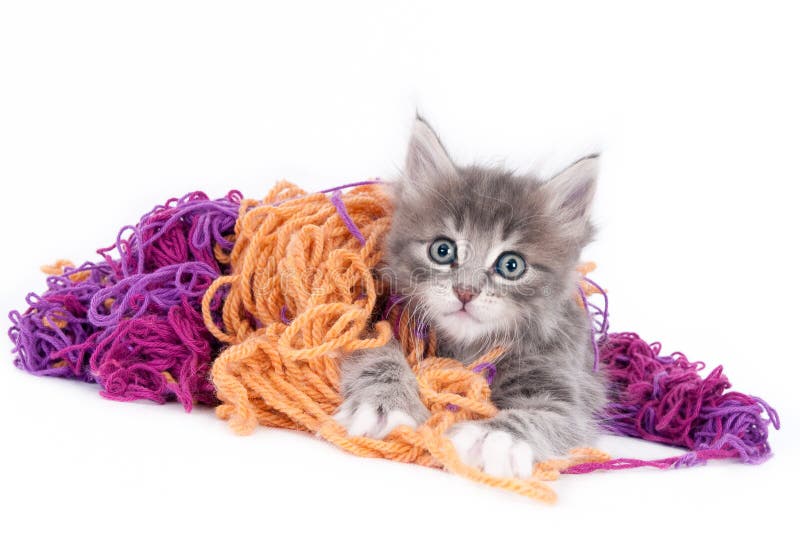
point(664, 399)
point(133, 325)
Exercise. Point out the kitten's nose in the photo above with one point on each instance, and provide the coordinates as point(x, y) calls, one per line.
point(465, 294)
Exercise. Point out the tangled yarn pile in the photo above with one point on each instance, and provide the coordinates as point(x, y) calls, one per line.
point(665, 400)
point(132, 324)
point(266, 296)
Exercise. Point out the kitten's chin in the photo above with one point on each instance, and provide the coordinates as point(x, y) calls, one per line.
point(462, 327)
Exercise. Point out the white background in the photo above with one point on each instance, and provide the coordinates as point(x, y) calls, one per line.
point(107, 109)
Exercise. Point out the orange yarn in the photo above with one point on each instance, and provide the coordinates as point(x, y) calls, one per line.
point(588, 289)
point(293, 253)
point(61, 266)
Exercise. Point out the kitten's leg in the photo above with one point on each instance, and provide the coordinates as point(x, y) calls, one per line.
point(512, 441)
point(541, 417)
point(380, 392)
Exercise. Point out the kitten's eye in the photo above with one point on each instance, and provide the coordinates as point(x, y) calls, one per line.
point(510, 265)
point(442, 251)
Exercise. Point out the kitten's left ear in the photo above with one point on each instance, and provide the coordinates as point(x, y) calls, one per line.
point(570, 194)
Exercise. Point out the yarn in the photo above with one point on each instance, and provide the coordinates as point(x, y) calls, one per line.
point(598, 314)
point(308, 260)
point(132, 323)
point(287, 286)
point(665, 400)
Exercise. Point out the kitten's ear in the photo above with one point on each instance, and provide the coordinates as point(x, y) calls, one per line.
point(426, 159)
point(570, 194)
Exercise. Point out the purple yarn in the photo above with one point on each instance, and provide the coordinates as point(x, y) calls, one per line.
point(341, 209)
point(490, 369)
point(598, 317)
point(65, 302)
point(284, 318)
point(352, 184)
point(133, 323)
point(664, 399)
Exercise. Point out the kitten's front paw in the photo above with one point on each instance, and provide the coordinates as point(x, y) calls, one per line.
point(375, 421)
point(494, 451)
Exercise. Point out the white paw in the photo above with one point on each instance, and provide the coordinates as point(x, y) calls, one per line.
point(496, 452)
point(367, 420)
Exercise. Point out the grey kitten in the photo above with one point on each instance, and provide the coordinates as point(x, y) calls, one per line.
point(488, 258)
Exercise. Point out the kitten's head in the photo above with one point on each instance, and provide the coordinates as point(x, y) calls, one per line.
point(481, 252)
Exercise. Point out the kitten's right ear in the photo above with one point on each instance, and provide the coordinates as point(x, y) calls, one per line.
point(426, 159)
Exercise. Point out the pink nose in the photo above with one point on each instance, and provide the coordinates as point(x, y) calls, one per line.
point(464, 294)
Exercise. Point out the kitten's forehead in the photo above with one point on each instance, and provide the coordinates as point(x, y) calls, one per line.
point(491, 210)
point(478, 243)
point(488, 201)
